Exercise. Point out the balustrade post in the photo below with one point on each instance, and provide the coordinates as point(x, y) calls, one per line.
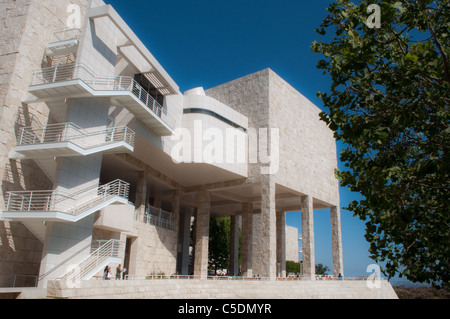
point(9, 200)
point(29, 203)
point(21, 136)
point(21, 204)
point(54, 74)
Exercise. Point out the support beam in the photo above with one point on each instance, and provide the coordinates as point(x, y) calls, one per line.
point(309, 270)
point(266, 251)
point(202, 235)
point(184, 239)
point(336, 241)
point(247, 240)
point(234, 245)
point(141, 193)
point(281, 244)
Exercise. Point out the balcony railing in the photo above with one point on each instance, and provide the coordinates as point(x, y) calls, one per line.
point(56, 201)
point(68, 72)
point(157, 217)
point(70, 132)
point(65, 34)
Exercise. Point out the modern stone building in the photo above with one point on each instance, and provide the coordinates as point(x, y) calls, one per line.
point(104, 161)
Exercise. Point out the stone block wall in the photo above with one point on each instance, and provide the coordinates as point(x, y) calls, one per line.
point(222, 289)
point(156, 250)
point(307, 148)
point(26, 29)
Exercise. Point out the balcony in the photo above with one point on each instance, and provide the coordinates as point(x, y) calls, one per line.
point(64, 41)
point(77, 80)
point(157, 217)
point(68, 139)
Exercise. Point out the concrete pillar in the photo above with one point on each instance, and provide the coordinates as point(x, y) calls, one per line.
point(234, 246)
point(202, 235)
point(184, 240)
point(247, 240)
point(281, 244)
point(66, 244)
point(267, 237)
point(336, 241)
point(176, 198)
point(141, 193)
point(309, 270)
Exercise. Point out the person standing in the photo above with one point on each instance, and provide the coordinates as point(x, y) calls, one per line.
point(119, 271)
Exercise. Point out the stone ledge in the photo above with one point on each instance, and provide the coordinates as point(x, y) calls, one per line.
point(221, 289)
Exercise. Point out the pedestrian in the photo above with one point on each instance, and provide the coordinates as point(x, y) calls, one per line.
point(107, 273)
point(119, 271)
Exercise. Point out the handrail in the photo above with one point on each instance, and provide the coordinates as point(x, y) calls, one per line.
point(111, 248)
point(46, 201)
point(64, 262)
point(243, 278)
point(65, 34)
point(157, 217)
point(72, 71)
point(70, 132)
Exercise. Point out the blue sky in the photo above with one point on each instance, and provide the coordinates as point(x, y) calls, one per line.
point(207, 43)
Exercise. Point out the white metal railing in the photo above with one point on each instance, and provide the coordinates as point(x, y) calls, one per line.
point(65, 34)
point(157, 217)
point(70, 132)
point(68, 72)
point(240, 278)
point(101, 250)
point(48, 201)
point(65, 261)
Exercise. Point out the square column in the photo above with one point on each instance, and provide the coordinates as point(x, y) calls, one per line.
point(309, 268)
point(336, 241)
point(184, 239)
point(247, 240)
point(267, 237)
point(202, 235)
point(176, 198)
point(281, 244)
point(234, 246)
point(141, 193)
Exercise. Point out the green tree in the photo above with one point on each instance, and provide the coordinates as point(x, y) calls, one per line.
point(321, 269)
point(219, 243)
point(389, 105)
point(292, 266)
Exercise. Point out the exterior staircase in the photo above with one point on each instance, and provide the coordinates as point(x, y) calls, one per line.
point(43, 144)
point(102, 253)
point(34, 208)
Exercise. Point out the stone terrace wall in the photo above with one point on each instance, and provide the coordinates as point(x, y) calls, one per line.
point(156, 250)
point(221, 289)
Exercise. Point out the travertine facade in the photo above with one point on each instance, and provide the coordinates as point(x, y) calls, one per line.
point(292, 248)
point(226, 289)
point(105, 162)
